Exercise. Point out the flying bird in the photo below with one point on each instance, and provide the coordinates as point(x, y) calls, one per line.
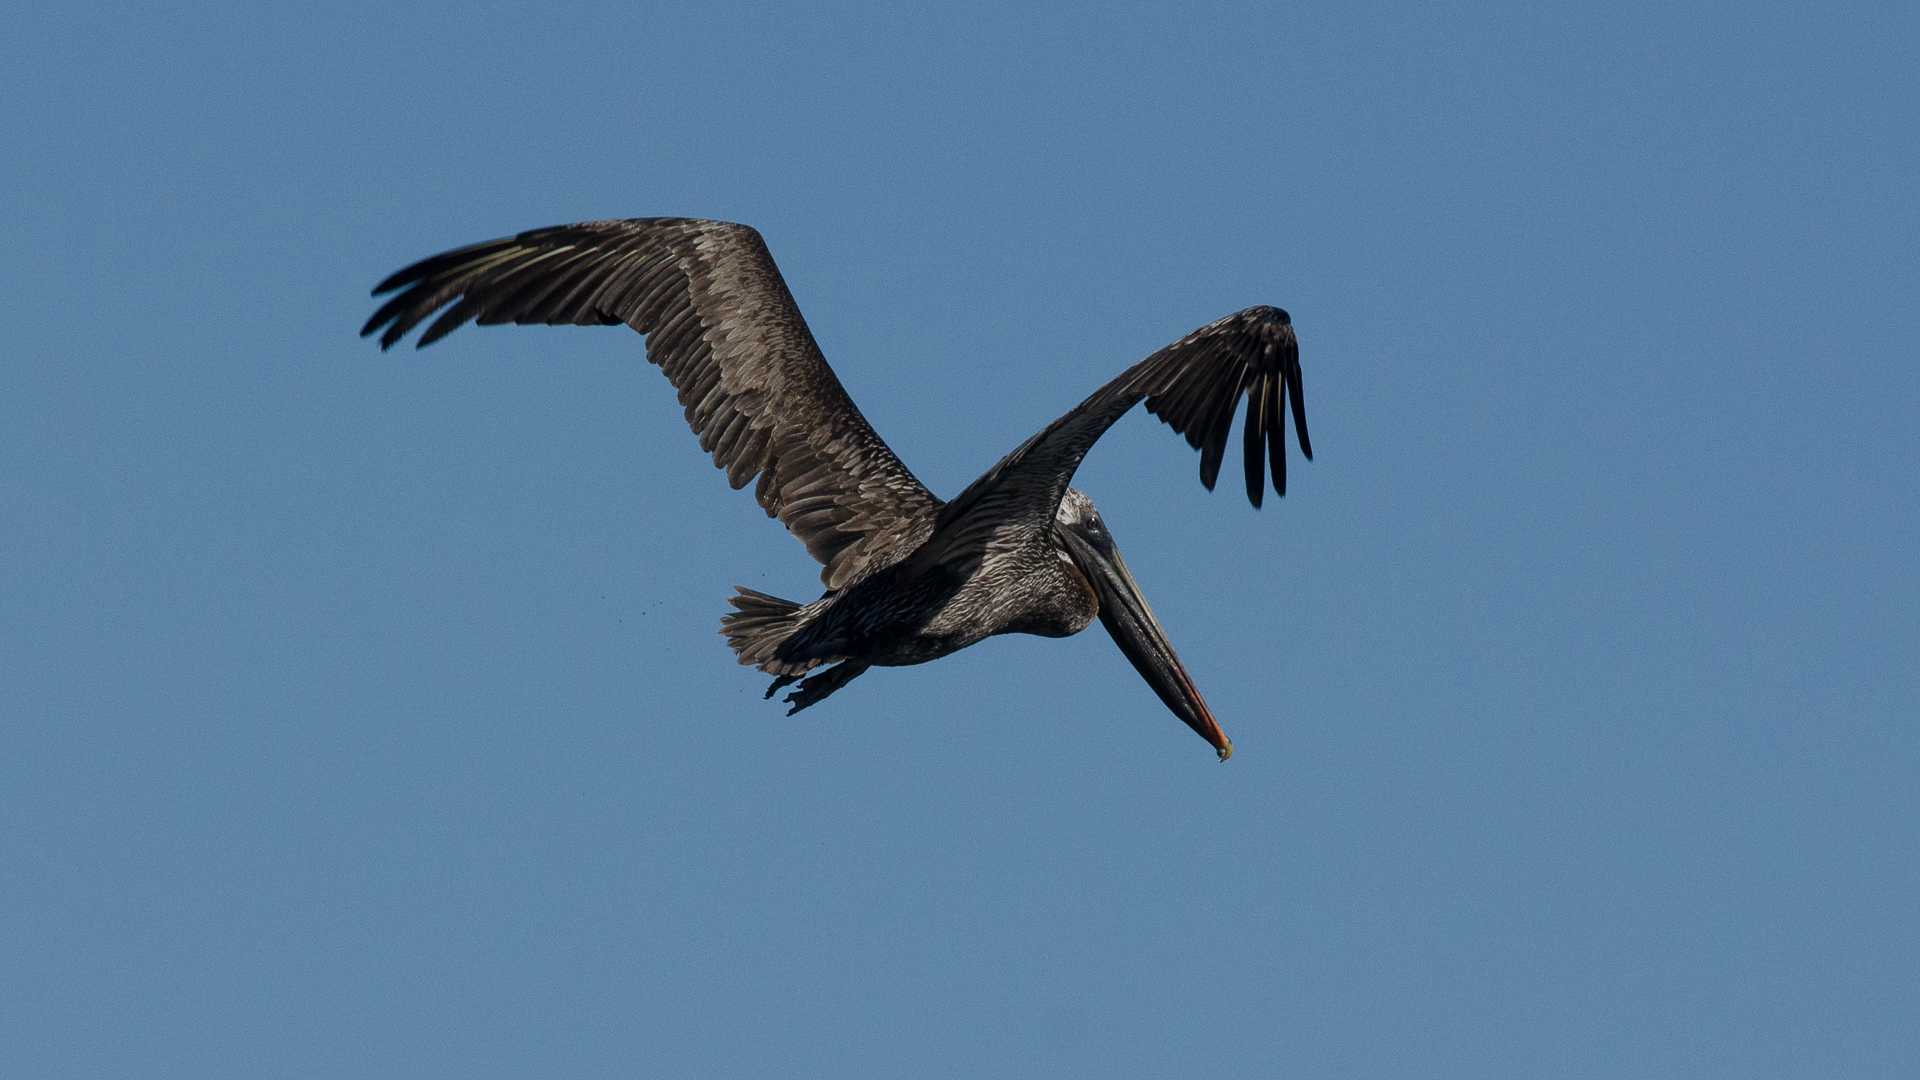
point(909, 578)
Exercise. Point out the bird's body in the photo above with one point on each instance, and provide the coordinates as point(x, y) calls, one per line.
point(909, 612)
point(909, 578)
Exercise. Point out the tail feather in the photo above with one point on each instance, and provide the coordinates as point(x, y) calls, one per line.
point(758, 626)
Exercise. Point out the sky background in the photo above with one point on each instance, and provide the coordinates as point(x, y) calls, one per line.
point(363, 715)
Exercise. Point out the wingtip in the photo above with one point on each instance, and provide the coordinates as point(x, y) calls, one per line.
point(386, 341)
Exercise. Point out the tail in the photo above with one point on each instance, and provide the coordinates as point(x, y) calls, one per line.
point(758, 626)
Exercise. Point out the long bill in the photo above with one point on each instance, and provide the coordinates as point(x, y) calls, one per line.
point(1127, 617)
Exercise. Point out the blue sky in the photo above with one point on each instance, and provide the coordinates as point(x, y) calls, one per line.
point(363, 715)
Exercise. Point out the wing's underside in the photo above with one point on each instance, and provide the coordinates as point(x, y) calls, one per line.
point(722, 325)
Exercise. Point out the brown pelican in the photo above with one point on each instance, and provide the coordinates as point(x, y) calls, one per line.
point(908, 578)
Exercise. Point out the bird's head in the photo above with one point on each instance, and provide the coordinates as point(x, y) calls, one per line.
point(1084, 540)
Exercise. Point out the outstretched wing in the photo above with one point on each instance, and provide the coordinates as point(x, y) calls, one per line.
point(1194, 384)
point(723, 327)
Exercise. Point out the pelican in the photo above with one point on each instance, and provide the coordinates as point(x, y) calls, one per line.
point(909, 578)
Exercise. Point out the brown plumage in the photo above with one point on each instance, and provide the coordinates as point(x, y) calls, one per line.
point(908, 578)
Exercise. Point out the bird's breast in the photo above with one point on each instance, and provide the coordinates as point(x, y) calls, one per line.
point(1044, 595)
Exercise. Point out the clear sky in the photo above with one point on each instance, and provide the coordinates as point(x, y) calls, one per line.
point(363, 715)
